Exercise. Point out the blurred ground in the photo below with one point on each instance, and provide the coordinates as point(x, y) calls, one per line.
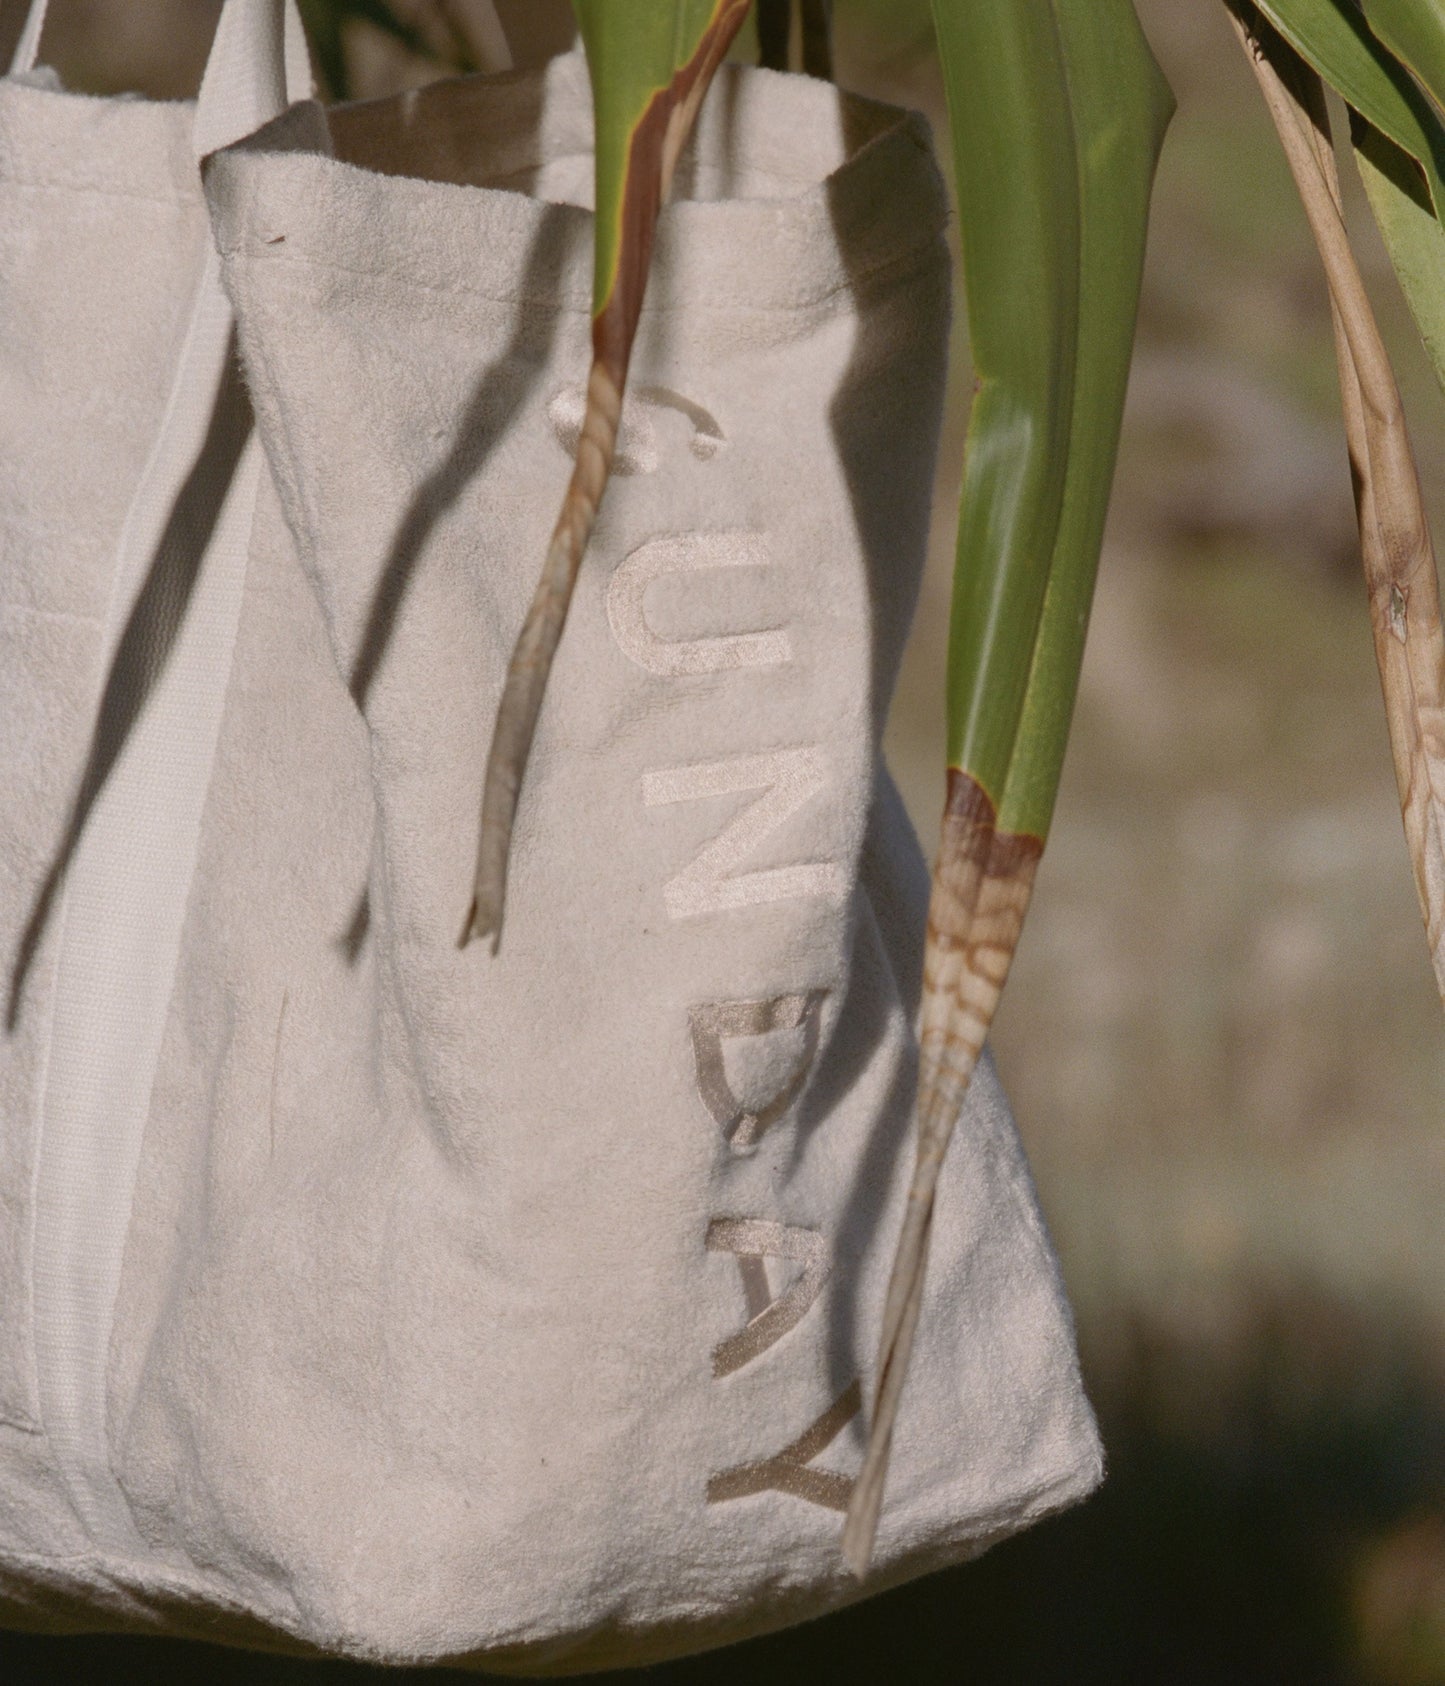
point(1222, 1036)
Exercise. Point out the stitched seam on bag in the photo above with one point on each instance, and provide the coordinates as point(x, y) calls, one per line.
point(930, 250)
point(811, 303)
point(255, 349)
point(307, 543)
point(256, 352)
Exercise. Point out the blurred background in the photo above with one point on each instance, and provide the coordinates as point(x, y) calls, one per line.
point(1221, 1037)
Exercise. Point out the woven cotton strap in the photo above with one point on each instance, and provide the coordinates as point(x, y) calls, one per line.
point(121, 915)
point(27, 47)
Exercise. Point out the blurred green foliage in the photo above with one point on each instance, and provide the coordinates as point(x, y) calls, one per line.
point(326, 25)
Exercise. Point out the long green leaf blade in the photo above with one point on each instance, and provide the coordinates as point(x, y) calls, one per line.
point(1121, 107)
point(1410, 229)
point(1414, 30)
point(636, 54)
point(1017, 181)
point(1333, 37)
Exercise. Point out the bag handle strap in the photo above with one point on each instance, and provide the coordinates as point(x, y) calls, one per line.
point(125, 889)
point(256, 60)
point(22, 61)
point(258, 64)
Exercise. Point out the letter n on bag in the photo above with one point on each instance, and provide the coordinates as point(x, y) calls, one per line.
point(787, 779)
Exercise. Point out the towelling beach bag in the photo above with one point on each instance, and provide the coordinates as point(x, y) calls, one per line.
point(364, 1293)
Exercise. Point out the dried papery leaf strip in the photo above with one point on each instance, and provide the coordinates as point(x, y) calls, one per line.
point(1399, 559)
point(981, 889)
point(634, 173)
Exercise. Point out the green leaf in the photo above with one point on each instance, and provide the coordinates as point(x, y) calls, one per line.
point(637, 55)
point(326, 21)
point(1121, 108)
point(1016, 176)
point(1054, 172)
point(1412, 234)
point(1414, 30)
point(1399, 136)
point(1333, 37)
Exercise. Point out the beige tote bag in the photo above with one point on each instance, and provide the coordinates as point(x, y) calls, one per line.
point(519, 1310)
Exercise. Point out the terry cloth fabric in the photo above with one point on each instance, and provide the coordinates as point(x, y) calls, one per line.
point(519, 1311)
point(127, 480)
